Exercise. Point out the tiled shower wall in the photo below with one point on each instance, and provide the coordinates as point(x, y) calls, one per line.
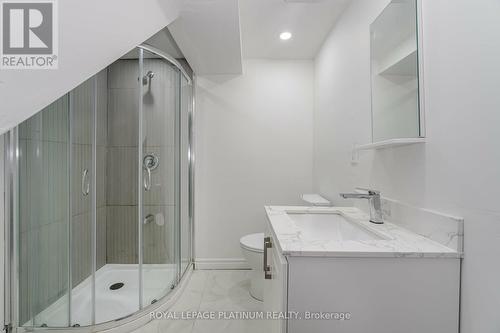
point(43, 204)
point(121, 197)
point(160, 102)
point(122, 170)
point(82, 159)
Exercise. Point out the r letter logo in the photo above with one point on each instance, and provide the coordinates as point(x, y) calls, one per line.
point(29, 34)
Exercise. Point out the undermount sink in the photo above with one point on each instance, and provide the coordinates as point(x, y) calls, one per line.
point(330, 227)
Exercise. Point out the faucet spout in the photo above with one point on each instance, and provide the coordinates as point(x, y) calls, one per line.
point(355, 196)
point(373, 198)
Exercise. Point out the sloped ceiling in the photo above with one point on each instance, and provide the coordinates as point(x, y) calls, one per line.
point(164, 41)
point(92, 34)
point(208, 34)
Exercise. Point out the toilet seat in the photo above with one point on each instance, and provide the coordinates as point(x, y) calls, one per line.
point(253, 242)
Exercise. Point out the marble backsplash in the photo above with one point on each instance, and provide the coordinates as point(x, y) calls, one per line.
point(445, 229)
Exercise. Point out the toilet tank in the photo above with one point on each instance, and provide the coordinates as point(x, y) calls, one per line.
point(314, 199)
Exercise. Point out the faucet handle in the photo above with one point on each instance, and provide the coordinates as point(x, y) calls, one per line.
point(369, 191)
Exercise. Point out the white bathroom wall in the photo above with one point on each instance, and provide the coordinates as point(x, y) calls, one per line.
point(253, 148)
point(456, 171)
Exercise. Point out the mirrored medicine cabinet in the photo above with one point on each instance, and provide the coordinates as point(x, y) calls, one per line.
point(396, 76)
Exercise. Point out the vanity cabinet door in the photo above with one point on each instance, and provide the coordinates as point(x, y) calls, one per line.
point(275, 288)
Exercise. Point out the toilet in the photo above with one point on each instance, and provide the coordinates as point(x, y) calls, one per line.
point(314, 199)
point(252, 247)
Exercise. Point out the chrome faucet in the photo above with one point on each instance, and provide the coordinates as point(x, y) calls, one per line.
point(374, 201)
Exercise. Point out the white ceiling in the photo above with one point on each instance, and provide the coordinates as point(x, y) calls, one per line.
point(214, 35)
point(309, 21)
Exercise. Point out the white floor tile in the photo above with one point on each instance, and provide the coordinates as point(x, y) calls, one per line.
point(217, 290)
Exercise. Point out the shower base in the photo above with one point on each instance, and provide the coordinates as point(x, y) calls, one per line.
point(110, 304)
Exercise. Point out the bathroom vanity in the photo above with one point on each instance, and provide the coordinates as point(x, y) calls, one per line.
point(380, 278)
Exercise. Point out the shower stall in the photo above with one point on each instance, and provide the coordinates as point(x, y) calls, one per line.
point(99, 197)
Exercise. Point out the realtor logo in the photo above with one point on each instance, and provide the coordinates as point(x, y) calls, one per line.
point(29, 34)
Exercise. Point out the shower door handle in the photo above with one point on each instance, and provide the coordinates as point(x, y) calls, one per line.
point(147, 180)
point(85, 184)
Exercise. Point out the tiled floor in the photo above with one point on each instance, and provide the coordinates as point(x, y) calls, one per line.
point(214, 290)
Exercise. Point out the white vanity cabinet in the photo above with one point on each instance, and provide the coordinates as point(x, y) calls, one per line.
point(275, 286)
point(380, 295)
point(347, 286)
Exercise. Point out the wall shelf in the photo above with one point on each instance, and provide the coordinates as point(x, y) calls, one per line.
point(389, 143)
point(406, 65)
point(399, 59)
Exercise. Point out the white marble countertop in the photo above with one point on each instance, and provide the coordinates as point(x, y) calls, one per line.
point(397, 241)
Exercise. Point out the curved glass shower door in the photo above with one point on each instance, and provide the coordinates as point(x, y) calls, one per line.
point(82, 205)
point(159, 158)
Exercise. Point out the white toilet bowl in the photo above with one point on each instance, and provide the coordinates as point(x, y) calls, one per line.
point(252, 247)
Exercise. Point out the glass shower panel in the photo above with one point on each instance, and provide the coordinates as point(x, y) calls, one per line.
point(82, 203)
point(159, 161)
point(185, 189)
point(117, 275)
point(43, 229)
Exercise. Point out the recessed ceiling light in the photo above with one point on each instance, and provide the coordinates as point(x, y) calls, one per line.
point(285, 35)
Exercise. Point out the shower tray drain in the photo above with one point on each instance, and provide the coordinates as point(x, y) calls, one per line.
point(116, 286)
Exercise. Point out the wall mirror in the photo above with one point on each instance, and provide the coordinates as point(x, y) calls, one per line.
point(397, 108)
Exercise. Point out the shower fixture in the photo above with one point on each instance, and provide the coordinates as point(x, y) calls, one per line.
point(147, 78)
point(149, 219)
point(151, 161)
